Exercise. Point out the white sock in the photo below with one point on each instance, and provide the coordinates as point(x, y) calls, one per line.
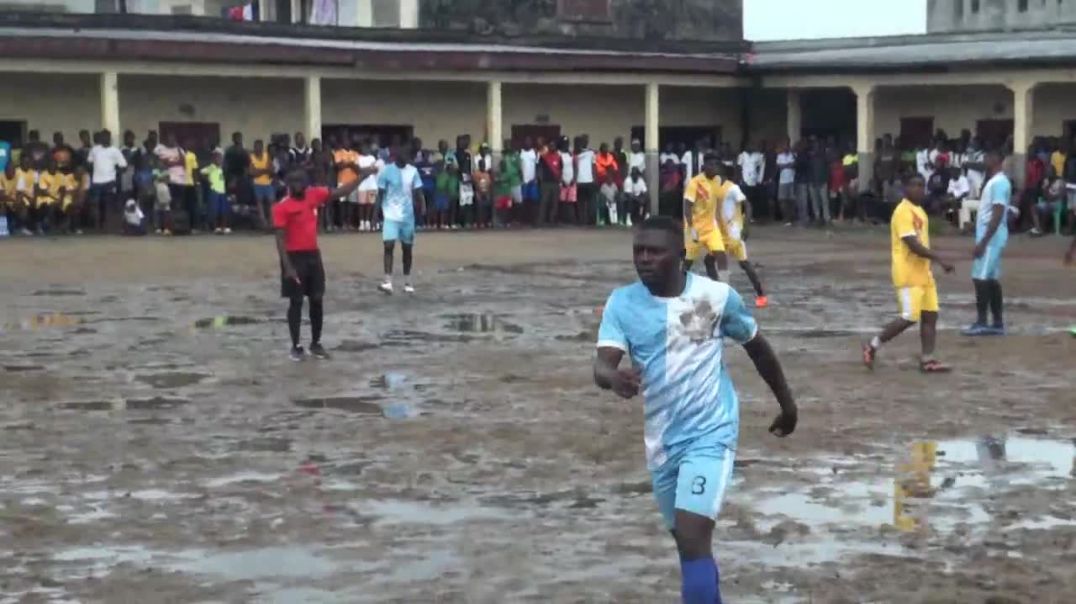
point(876, 343)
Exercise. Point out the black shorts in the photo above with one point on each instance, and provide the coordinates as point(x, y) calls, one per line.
point(311, 276)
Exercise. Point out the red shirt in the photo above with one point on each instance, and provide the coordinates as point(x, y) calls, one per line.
point(299, 219)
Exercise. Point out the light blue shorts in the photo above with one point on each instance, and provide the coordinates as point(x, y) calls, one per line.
point(693, 480)
point(988, 266)
point(398, 230)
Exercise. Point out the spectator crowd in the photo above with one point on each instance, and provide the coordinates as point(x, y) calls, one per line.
point(167, 186)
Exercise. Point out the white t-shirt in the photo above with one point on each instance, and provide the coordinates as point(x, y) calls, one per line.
point(667, 156)
point(528, 161)
point(635, 187)
point(177, 174)
point(729, 205)
point(133, 214)
point(751, 167)
point(637, 159)
point(959, 186)
point(689, 165)
point(370, 182)
point(482, 163)
point(585, 162)
point(922, 161)
point(975, 177)
point(567, 173)
point(788, 175)
point(105, 160)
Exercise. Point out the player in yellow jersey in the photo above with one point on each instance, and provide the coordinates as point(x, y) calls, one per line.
point(730, 219)
point(917, 294)
point(55, 194)
point(701, 232)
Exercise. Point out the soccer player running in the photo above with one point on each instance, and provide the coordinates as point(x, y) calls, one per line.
point(917, 295)
point(400, 189)
point(295, 221)
point(991, 235)
point(731, 220)
point(672, 325)
point(701, 231)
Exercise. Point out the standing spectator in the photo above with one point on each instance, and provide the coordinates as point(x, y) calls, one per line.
point(1033, 181)
point(320, 170)
point(368, 160)
point(819, 169)
point(236, 171)
point(672, 175)
point(786, 182)
point(957, 193)
point(568, 208)
point(105, 158)
point(635, 197)
point(852, 208)
point(923, 165)
point(752, 165)
point(82, 155)
point(606, 170)
point(636, 159)
point(886, 166)
point(36, 151)
point(127, 180)
point(191, 189)
point(448, 188)
point(5, 155)
point(300, 152)
point(346, 161)
point(621, 157)
point(769, 179)
point(462, 214)
point(262, 172)
point(550, 170)
point(219, 206)
point(528, 163)
point(803, 182)
point(171, 159)
point(975, 166)
point(667, 154)
point(836, 184)
point(427, 173)
point(483, 185)
point(502, 191)
point(62, 153)
point(1059, 156)
point(164, 200)
point(1050, 204)
point(587, 189)
point(511, 170)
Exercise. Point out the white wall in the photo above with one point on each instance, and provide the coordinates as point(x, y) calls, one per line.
point(52, 103)
point(436, 110)
point(953, 108)
point(1053, 107)
point(256, 107)
point(697, 106)
point(603, 112)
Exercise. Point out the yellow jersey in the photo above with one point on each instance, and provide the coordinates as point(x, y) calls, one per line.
point(262, 163)
point(190, 162)
point(909, 269)
point(7, 187)
point(51, 184)
point(26, 181)
point(704, 194)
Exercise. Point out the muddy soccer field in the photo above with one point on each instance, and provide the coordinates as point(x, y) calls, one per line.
point(157, 445)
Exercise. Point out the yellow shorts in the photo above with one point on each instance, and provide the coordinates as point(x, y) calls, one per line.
point(734, 244)
point(913, 301)
point(711, 241)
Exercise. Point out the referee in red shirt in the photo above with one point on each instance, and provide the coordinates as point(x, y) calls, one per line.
point(295, 220)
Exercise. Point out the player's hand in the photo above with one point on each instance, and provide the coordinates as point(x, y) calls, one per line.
point(980, 249)
point(626, 382)
point(785, 423)
point(289, 273)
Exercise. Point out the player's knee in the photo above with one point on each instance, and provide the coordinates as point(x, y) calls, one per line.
point(389, 245)
point(316, 300)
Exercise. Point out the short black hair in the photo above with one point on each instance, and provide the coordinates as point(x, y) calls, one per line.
point(996, 153)
point(663, 223)
point(710, 156)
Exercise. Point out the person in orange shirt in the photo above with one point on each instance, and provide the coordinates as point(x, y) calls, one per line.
point(605, 167)
point(346, 160)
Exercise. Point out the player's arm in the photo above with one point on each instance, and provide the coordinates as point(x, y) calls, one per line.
point(769, 368)
point(345, 189)
point(282, 251)
point(420, 195)
point(923, 251)
point(609, 376)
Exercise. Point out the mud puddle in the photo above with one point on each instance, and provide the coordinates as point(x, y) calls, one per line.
point(222, 321)
point(169, 380)
point(481, 323)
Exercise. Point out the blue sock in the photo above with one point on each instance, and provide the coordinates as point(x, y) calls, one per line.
point(699, 579)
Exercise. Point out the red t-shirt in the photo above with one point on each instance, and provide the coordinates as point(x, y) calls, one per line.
point(299, 219)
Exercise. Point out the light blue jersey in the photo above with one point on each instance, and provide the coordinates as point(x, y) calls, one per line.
point(399, 185)
point(678, 343)
point(996, 197)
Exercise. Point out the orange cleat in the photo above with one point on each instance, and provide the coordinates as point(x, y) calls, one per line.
point(762, 302)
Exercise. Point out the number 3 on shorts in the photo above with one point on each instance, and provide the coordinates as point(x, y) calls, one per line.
point(698, 485)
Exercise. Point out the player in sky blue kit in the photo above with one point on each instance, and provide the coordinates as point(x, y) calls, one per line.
point(991, 235)
point(672, 325)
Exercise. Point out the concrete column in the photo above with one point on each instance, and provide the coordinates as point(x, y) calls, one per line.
point(312, 107)
point(795, 116)
point(364, 13)
point(110, 104)
point(865, 134)
point(409, 14)
point(494, 117)
point(1022, 111)
point(653, 145)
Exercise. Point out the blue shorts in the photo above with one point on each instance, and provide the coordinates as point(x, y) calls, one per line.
point(218, 204)
point(441, 202)
point(265, 192)
point(531, 192)
point(398, 230)
point(693, 479)
point(988, 266)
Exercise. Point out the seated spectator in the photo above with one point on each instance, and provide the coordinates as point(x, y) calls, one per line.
point(55, 196)
point(635, 197)
point(1051, 203)
point(134, 221)
point(608, 195)
point(959, 190)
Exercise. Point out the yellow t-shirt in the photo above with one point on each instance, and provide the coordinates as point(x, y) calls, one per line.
point(190, 161)
point(7, 187)
point(909, 269)
point(1057, 160)
point(26, 181)
point(704, 194)
point(52, 183)
point(261, 163)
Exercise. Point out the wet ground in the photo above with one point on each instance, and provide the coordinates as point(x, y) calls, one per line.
point(156, 445)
